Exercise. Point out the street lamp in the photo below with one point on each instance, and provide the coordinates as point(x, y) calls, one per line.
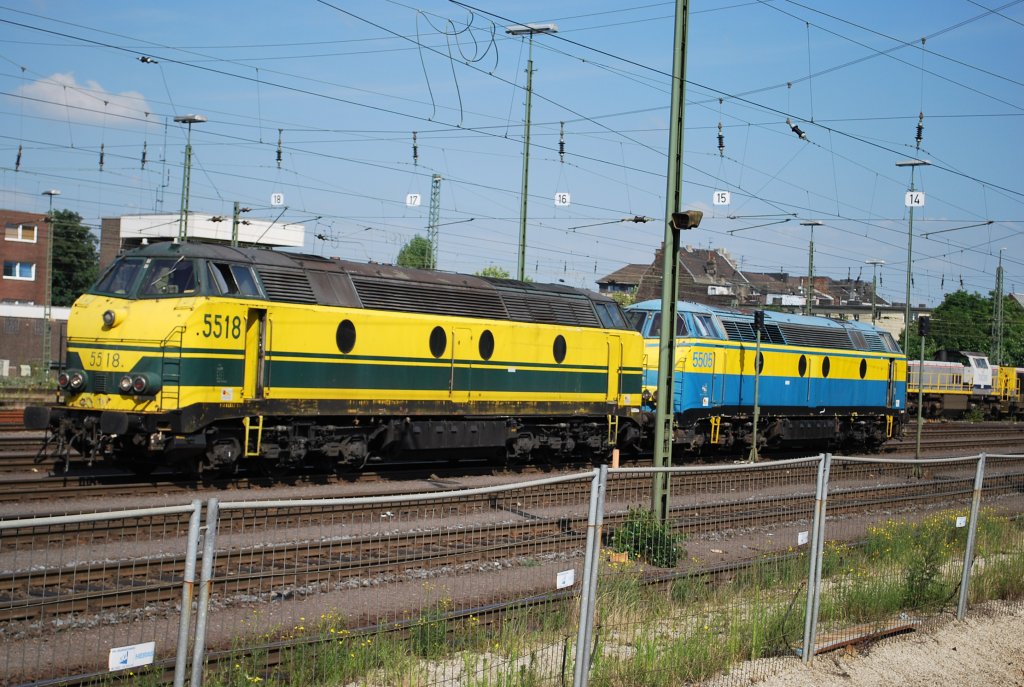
point(48, 297)
point(189, 119)
point(527, 30)
point(874, 262)
point(810, 265)
point(912, 200)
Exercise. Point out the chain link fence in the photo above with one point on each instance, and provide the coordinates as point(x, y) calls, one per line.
point(568, 580)
point(82, 596)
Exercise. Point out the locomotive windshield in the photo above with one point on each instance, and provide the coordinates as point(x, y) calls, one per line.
point(149, 278)
point(169, 276)
point(162, 277)
point(120, 278)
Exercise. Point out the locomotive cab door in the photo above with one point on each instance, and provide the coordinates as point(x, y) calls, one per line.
point(890, 392)
point(255, 353)
point(614, 369)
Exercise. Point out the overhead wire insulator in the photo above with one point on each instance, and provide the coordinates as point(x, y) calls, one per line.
point(279, 132)
point(102, 154)
point(920, 129)
point(796, 129)
point(561, 141)
point(721, 141)
point(415, 150)
point(143, 155)
point(17, 161)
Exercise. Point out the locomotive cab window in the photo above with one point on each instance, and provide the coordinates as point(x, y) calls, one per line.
point(706, 327)
point(637, 319)
point(119, 280)
point(233, 280)
point(610, 316)
point(656, 325)
point(169, 277)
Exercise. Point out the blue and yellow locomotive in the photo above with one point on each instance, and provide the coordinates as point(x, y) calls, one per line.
point(824, 383)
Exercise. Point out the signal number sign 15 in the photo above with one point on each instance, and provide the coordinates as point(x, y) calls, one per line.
point(222, 326)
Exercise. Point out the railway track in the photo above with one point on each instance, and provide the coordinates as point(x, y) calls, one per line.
point(23, 479)
point(417, 541)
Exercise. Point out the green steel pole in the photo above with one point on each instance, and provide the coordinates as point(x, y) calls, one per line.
point(754, 457)
point(910, 261)
point(185, 183)
point(234, 224)
point(810, 272)
point(663, 424)
point(920, 399)
point(521, 271)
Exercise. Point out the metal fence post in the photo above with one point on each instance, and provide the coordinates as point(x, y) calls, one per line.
point(187, 592)
point(965, 580)
point(592, 561)
point(816, 554)
point(205, 585)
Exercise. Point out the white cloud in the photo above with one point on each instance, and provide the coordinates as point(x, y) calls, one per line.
point(60, 95)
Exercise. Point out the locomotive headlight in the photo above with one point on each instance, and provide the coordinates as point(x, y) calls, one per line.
point(76, 380)
point(112, 318)
point(62, 380)
point(125, 385)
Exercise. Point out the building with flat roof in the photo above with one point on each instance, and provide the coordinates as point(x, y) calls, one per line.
point(119, 234)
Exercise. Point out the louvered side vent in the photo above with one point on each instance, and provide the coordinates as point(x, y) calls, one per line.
point(875, 342)
point(772, 334)
point(817, 337)
point(287, 285)
point(550, 309)
point(437, 299)
point(739, 331)
point(517, 305)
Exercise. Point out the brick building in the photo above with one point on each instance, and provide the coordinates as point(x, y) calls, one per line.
point(23, 255)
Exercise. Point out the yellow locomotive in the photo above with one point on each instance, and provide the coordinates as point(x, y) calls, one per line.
point(204, 356)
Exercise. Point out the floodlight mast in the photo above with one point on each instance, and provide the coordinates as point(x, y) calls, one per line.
point(874, 262)
point(48, 297)
point(186, 177)
point(809, 295)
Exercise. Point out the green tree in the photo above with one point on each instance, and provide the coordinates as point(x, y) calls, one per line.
point(493, 271)
point(624, 298)
point(75, 259)
point(416, 253)
point(963, 322)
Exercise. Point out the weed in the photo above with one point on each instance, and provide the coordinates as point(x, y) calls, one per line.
point(645, 538)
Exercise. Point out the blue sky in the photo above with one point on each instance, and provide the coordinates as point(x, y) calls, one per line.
point(345, 85)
